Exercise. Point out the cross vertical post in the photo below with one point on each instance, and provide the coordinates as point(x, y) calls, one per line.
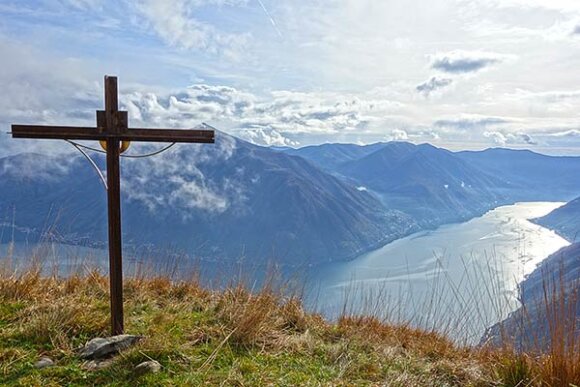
point(114, 135)
point(114, 207)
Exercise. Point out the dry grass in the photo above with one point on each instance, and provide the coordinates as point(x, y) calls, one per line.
point(234, 336)
point(541, 344)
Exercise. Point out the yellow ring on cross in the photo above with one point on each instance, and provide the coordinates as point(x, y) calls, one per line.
point(124, 145)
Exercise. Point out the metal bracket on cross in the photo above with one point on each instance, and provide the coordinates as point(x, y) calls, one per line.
point(121, 120)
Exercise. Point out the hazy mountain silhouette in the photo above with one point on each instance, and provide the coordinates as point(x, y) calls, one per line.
point(436, 186)
point(234, 199)
point(532, 176)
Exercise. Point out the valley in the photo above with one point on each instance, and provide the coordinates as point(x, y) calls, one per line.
point(295, 207)
point(459, 278)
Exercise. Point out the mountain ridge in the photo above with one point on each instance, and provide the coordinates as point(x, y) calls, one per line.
point(296, 206)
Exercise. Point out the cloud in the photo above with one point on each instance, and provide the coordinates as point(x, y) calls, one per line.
point(576, 30)
point(435, 83)
point(85, 4)
point(63, 89)
point(526, 32)
point(194, 194)
point(277, 118)
point(558, 5)
point(188, 107)
point(470, 122)
point(504, 139)
point(462, 62)
point(34, 166)
point(430, 135)
point(497, 137)
point(175, 22)
point(565, 133)
point(41, 88)
point(546, 96)
point(560, 105)
point(265, 136)
point(527, 139)
point(398, 135)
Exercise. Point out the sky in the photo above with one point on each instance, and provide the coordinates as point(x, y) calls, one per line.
point(460, 74)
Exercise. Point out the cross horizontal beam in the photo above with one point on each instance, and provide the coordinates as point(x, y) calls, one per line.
point(133, 134)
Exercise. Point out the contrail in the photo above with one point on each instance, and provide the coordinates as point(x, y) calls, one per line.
point(271, 18)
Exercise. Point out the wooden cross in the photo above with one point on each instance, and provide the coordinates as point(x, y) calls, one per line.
point(113, 133)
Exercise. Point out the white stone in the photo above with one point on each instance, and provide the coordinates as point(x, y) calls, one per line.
point(44, 362)
point(146, 367)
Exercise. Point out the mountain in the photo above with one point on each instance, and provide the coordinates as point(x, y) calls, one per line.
point(222, 201)
point(550, 296)
point(532, 176)
point(564, 220)
point(431, 184)
point(234, 199)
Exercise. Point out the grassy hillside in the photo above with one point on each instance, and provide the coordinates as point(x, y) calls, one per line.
point(231, 337)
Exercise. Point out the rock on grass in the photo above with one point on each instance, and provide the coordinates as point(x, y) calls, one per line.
point(99, 348)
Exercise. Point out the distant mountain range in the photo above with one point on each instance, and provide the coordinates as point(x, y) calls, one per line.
point(309, 205)
point(532, 176)
point(436, 186)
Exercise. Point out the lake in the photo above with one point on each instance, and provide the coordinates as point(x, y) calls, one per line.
point(458, 278)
